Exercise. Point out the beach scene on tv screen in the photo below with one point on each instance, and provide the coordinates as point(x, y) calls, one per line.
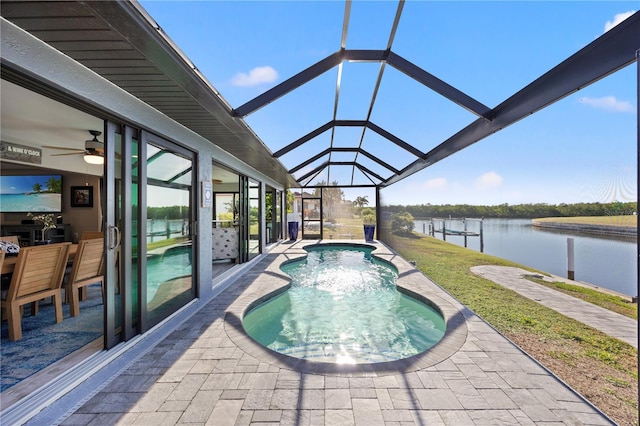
point(41, 193)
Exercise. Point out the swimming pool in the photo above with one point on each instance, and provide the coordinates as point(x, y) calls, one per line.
point(343, 307)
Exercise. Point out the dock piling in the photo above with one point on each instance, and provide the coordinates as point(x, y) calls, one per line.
point(570, 259)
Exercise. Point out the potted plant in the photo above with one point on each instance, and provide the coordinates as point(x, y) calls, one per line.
point(368, 216)
point(48, 222)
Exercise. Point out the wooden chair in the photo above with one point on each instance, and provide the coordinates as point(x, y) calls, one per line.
point(1, 259)
point(87, 235)
point(87, 269)
point(11, 239)
point(38, 274)
point(90, 235)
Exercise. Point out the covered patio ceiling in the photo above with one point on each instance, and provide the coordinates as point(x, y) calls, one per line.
point(123, 43)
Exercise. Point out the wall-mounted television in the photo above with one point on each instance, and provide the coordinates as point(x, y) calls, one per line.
point(31, 193)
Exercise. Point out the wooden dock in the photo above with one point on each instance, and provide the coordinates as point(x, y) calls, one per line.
point(439, 226)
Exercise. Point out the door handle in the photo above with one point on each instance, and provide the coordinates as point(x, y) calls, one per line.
point(114, 237)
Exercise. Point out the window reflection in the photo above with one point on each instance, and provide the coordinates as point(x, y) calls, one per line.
point(254, 218)
point(169, 249)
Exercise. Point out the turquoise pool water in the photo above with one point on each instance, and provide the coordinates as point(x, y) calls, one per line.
point(343, 307)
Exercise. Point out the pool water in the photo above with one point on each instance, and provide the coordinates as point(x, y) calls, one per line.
point(343, 307)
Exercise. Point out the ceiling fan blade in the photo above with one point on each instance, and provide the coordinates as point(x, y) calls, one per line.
point(69, 153)
point(62, 147)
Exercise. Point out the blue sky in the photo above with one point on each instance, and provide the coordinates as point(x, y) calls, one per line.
point(581, 149)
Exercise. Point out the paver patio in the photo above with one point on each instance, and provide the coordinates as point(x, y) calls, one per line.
point(208, 372)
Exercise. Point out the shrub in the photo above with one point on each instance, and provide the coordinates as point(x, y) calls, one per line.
point(402, 223)
point(368, 216)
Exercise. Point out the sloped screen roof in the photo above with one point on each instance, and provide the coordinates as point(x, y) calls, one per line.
point(347, 141)
point(366, 150)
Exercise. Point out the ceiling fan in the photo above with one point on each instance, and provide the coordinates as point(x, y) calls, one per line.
point(93, 149)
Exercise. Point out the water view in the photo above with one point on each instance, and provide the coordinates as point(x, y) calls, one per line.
point(162, 229)
point(608, 262)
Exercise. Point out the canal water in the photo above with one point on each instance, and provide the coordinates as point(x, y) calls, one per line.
point(609, 262)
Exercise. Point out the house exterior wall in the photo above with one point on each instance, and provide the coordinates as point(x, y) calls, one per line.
point(42, 66)
point(40, 61)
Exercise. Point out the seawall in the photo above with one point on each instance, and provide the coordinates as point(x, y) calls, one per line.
point(627, 231)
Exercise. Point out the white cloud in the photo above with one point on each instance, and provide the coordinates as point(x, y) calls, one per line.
point(435, 183)
point(617, 19)
point(255, 77)
point(609, 103)
point(489, 180)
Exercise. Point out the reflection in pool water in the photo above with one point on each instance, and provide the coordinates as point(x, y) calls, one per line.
point(343, 307)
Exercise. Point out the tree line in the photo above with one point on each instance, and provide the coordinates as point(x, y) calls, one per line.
point(519, 211)
point(169, 212)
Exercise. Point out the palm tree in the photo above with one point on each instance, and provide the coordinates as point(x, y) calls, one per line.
point(360, 202)
point(54, 185)
point(330, 197)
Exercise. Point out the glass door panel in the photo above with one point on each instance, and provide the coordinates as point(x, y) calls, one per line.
point(269, 216)
point(115, 183)
point(273, 215)
point(169, 251)
point(225, 229)
point(278, 219)
point(254, 219)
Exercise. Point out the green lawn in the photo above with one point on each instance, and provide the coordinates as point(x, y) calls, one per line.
point(627, 220)
point(603, 369)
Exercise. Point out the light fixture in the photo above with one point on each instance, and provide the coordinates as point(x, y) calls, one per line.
point(94, 159)
point(92, 154)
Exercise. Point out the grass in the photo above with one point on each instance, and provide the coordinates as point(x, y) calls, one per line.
point(591, 362)
point(344, 228)
point(626, 220)
point(166, 242)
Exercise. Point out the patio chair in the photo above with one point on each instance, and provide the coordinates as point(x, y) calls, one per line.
point(87, 269)
point(37, 275)
point(90, 235)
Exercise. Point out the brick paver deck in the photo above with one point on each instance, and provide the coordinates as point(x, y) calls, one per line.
point(208, 372)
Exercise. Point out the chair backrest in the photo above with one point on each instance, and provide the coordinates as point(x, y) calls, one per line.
point(88, 262)
point(90, 235)
point(11, 239)
point(1, 259)
point(38, 269)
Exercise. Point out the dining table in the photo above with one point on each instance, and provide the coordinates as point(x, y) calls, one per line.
point(9, 263)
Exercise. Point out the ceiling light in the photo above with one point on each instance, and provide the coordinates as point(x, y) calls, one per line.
point(94, 159)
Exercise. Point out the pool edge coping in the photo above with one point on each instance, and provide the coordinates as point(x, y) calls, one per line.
point(272, 281)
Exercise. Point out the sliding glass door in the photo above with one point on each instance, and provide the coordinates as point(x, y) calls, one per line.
point(273, 215)
point(169, 197)
point(151, 209)
point(249, 219)
point(255, 230)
